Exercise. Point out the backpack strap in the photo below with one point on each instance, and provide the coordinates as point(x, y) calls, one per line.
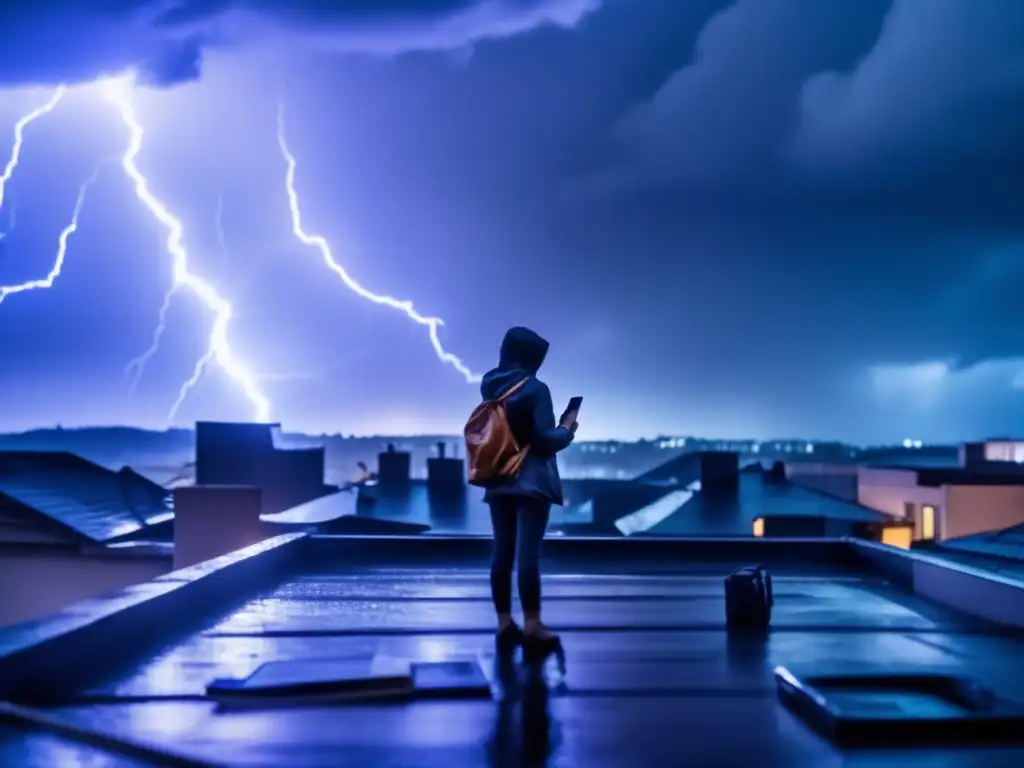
point(511, 390)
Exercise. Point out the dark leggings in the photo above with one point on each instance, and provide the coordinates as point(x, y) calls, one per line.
point(525, 520)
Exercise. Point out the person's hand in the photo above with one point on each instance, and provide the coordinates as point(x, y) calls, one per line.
point(573, 428)
point(569, 420)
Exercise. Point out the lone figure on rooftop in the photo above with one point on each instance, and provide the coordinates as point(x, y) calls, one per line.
point(521, 503)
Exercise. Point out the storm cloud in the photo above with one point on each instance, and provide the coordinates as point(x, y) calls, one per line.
point(913, 104)
point(61, 41)
point(786, 216)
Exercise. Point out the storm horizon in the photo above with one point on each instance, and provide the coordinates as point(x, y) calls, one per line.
point(747, 219)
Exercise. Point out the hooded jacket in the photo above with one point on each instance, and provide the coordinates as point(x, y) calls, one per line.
point(531, 416)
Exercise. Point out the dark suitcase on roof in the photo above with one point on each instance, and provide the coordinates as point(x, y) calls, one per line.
point(748, 599)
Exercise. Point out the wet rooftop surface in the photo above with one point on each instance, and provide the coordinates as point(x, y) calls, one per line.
point(650, 677)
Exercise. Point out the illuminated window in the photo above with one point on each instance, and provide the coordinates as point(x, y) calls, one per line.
point(897, 536)
point(759, 526)
point(928, 522)
point(1005, 451)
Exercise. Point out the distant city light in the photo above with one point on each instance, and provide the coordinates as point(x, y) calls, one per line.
point(908, 443)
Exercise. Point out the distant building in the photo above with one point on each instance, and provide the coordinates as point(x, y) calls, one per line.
point(708, 494)
point(942, 497)
point(998, 451)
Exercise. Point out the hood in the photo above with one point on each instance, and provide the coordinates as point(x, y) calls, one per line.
point(522, 354)
point(522, 350)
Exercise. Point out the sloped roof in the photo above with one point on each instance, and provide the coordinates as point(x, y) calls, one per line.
point(718, 514)
point(679, 470)
point(95, 502)
point(1007, 543)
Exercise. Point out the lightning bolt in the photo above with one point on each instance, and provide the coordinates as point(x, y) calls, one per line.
point(321, 244)
point(19, 136)
point(10, 225)
point(218, 349)
point(137, 367)
point(62, 245)
point(11, 221)
point(117, 91)
point(71, 228)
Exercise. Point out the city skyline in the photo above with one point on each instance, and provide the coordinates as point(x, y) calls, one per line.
point(796, 444)
point(727, 217)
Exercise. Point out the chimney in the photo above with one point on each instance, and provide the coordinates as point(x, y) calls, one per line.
point(445, 476)
point(719, 471)
point(774, 475)
point(229, 453)
point(244, 454)
point(393, 469)
point(212, 520)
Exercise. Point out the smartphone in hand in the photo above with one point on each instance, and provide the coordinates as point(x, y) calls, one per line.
point(571, 413)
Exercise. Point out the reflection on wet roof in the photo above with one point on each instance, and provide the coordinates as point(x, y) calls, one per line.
point(649, 676)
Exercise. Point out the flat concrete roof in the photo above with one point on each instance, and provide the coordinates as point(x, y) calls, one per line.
point(650, 678)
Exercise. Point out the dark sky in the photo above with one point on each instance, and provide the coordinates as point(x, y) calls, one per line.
point(755, 218)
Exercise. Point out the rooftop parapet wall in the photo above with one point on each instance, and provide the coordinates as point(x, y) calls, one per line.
point(972, 591)
point(44, 659)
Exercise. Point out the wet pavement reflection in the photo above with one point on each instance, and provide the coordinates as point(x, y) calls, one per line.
point(525, 732)
point(647, 675)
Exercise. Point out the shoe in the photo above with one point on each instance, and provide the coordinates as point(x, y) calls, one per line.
point(542, 644)
point(508, 637)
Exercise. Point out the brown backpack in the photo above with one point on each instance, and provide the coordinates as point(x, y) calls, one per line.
point(492, 452)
